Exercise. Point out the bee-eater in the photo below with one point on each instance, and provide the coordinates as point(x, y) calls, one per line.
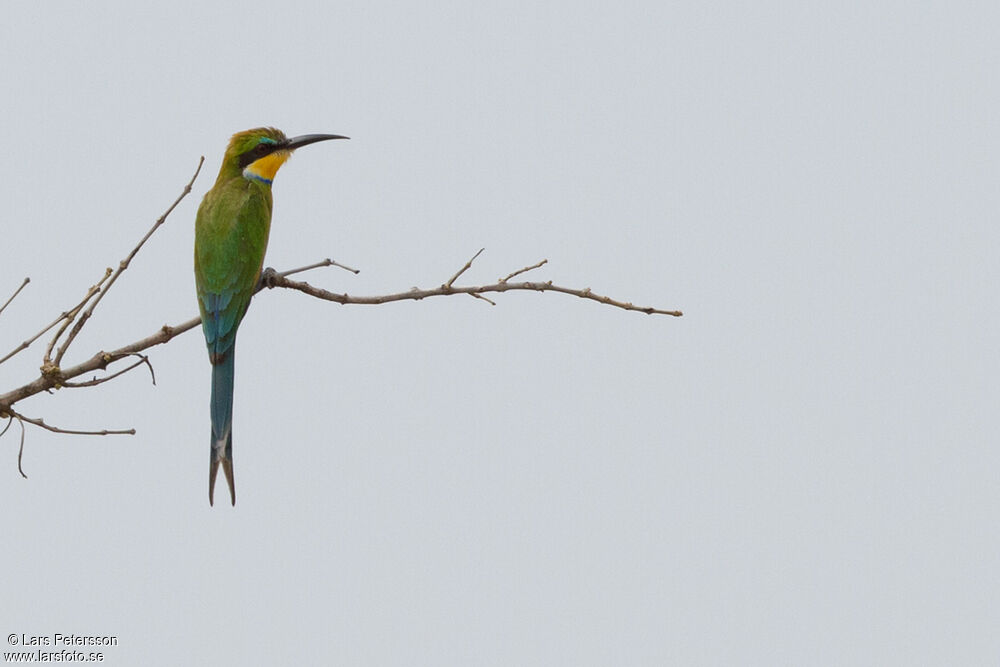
point(230, 240)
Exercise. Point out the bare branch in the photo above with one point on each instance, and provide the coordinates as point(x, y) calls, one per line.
point(524, 270)
point(143, 359)
point(14, 295)
point(124, 265)
point(10, 420)
point(56, 377)
point(20, 449)
point(55, 429)
point(444, 290)
point(317, 265)
point(71, 313)
point(100, 361)
point(480, 296)
point(463, 269)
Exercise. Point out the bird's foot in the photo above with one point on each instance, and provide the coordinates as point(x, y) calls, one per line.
point(268, 277)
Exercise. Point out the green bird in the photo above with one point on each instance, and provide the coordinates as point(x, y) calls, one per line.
point(230, 240)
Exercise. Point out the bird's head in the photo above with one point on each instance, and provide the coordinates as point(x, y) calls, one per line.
point(258, 154)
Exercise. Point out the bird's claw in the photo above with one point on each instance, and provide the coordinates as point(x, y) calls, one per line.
point(268, 277)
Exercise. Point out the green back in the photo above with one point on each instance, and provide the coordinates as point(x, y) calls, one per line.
point(231, 232)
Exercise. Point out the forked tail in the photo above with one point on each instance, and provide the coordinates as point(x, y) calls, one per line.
point(222, 424)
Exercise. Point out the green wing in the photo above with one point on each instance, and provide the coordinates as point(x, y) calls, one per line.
point(231, 233)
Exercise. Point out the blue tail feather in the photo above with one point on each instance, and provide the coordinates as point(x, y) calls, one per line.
point(222, 422)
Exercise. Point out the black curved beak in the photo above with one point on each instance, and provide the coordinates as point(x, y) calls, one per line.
point(306, 139)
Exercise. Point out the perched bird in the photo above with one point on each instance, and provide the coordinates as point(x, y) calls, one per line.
point(230, 240)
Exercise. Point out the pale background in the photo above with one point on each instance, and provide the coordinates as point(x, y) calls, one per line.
point(803, 470)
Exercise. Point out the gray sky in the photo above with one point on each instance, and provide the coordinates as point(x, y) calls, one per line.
point(801, 470)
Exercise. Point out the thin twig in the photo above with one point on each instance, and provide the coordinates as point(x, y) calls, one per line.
point(101, 360)
point(20, 450)
point(10, 420)
point(317, 265)
point(444, 290)
point(55, 429)
point(71, 314)
point(463, 269)
point(143, 359)
point(124, 265)
point(524, 270)
point(67, 431)
point(16, 292)
point(65, 314)
point(480, 296)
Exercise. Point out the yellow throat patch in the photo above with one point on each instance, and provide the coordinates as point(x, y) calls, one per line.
point(265, 168)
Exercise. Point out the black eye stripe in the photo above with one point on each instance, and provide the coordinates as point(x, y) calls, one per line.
point(257, 152)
